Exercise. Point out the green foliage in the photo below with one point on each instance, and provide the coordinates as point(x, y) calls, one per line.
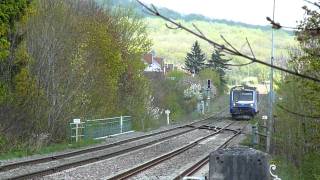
point(285, 170)
point(178, 75)
point(25, 151)
point(213, 75)
point(195, 60)
point(75, 60)
point(297, 133)
point(173, 45)
point(10, 12)
point(311, 166)
point(219, 63)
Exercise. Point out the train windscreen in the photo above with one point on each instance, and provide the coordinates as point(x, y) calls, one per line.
point(242, 96)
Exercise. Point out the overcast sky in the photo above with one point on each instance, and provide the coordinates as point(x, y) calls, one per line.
point(247, 11)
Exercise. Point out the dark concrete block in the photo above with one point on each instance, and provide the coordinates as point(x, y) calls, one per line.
point(238, 163)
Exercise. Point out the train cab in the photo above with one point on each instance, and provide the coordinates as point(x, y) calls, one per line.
point(244, 101)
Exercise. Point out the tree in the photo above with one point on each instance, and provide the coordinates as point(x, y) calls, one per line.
point(76, 59)
point(297, 129)
point(218, 64)
point(194, 61)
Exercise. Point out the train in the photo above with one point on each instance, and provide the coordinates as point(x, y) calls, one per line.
point(244, 102)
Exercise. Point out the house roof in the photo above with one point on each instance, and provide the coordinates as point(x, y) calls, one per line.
point(159, 60)
point(148, 58)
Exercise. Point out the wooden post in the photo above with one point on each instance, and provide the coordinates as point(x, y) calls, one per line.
point(239, 163)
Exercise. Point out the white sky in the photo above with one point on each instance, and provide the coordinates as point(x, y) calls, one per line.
point(247, 11)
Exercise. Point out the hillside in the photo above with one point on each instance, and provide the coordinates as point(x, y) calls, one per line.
point(174, 44)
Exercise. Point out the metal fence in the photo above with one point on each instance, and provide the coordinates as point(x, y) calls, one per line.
point(100, 128)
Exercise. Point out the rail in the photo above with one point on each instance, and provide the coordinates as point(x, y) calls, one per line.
point(9, 166)
point(186, 174)
point(158, 160)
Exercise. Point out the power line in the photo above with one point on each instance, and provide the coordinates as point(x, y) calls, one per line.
point(229, 50)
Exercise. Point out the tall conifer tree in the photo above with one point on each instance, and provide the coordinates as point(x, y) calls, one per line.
point(218, 64)
point(195, 60)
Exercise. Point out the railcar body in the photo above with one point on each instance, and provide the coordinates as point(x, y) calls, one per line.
point(244, 102)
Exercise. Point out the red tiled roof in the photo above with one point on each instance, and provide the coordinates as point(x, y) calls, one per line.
point(148, 58)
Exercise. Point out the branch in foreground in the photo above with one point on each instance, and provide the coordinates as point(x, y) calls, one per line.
point(223, 48)
point(226, 64)
point(313, 3)
point(297, 114)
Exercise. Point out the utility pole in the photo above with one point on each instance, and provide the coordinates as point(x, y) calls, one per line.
point(270, 119)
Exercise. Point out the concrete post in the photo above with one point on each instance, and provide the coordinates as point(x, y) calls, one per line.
point(77, 122)
point(239, 163)
point(254, 135)
point(202, 107)
point(121, 124)
point(77, 132)
point(257, 134)
point(167, 112)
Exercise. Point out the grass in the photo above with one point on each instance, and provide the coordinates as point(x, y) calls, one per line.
point(23, 152)
point(285, 170)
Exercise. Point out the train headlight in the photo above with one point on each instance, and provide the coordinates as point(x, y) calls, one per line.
point(251, 105)
point(234, 104)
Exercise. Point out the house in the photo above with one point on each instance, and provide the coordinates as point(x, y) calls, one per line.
point(154, 64)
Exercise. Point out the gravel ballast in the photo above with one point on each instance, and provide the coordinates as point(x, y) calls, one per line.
point(111, 166)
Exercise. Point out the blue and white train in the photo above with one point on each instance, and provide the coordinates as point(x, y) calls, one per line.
point(244, 102)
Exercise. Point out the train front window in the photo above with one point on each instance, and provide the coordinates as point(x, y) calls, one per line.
point(242, 96)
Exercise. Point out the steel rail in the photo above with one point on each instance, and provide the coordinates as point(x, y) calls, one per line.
point(15, 165)
point(158, 160)
point(88, 160)
point(198, 165)
point(67, 165)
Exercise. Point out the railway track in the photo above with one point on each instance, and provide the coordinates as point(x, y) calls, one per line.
point(156, 161)
point(204, 161)
point(45, 171)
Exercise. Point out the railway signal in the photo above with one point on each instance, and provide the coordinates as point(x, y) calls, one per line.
point(209, 84)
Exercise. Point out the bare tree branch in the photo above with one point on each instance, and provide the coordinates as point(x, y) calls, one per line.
point(155, 10)
point(245, 64)
point(298, 114)
point(229, 44)
point(169, 27)
point(313, 3)
point(223, 48)
point(197, 29)
point(250, 49)
point(276, 25)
